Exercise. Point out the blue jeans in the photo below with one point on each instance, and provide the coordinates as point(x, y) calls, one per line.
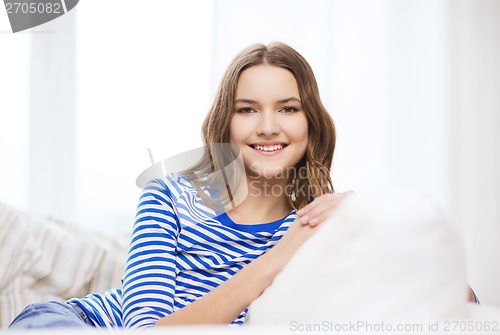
point(51, 315)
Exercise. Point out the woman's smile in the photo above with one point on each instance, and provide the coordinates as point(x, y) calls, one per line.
point(269, 148)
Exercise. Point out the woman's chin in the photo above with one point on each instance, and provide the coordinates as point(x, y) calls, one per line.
point(267, 172)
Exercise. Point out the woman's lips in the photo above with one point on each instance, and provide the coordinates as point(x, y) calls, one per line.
point(268, 148)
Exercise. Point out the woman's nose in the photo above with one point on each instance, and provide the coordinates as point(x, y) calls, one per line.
point(268, 124)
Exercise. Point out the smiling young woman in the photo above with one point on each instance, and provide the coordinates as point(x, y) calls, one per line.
point(189, 263)
point(296, 90)
point(268, 106)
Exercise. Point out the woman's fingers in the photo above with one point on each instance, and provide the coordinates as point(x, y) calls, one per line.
point(323, 207)
point(320, 208)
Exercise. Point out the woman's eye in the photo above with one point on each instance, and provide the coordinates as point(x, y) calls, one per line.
point(289, 110)
point(245, 110)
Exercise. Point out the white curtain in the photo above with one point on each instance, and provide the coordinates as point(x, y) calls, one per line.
point(474, 152)
point(412, 85)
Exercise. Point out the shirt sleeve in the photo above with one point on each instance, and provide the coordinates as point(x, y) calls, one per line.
point(149, 279)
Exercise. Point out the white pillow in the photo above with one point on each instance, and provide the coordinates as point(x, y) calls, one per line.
point(52, 260)
point(17, 244)
point(376, 258)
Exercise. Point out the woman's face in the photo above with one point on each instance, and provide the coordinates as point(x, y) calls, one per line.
point(269, 125)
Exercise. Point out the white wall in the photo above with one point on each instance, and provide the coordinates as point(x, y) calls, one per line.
point(14, 115)
point(143, 82)
point(474, 123)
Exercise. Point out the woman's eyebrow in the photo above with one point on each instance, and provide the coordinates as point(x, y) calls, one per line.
point(254, 102)
point(246, 101)
point(287, 100)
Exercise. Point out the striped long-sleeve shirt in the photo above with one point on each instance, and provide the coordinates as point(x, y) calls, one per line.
point(180, 250)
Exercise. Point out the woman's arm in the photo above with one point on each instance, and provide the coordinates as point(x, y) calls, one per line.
point(149, 280)
point(225, 303)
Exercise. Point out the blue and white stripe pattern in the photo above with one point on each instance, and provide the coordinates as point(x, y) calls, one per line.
point(180, 250)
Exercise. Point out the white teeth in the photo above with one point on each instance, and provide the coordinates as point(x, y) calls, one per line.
point(269, 147)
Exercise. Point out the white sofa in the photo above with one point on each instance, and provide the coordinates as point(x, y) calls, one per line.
point(379, 262)
point(42, 260)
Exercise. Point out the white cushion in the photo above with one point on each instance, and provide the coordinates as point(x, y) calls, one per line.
point(376, 258)
point(52, 260)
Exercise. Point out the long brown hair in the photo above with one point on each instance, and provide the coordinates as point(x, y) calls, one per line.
point(304, 187)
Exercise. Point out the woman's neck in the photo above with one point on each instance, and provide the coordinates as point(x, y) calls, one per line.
point(266, 201)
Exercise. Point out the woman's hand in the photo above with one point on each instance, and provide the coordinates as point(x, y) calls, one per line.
point(320, 208)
